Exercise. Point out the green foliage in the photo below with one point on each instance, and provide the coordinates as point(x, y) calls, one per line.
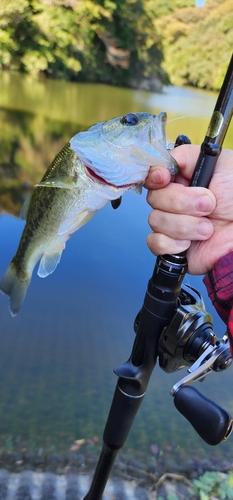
point(198, 44)
point(133, 49)
point(214, 484)
point(90, 40)
point(46, 36)
point(170, 496)
point(159, 8)
point(122, 42)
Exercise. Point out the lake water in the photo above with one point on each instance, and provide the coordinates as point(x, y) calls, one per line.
point(57, 356)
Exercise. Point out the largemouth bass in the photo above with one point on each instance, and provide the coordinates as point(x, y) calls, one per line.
point(93, 168)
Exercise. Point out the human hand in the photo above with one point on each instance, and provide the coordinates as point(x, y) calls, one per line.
point(193, 218)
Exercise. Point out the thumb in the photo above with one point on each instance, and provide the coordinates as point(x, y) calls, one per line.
point(158, 177)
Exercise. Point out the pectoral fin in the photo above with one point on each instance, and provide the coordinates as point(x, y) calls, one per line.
point(71, 224)
point(58, 182)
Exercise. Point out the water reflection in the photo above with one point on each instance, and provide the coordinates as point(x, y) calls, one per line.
point(57, 355)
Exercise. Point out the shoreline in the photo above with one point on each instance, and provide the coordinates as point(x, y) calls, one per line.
point(58, 477)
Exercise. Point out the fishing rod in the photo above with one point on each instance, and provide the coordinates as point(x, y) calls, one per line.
point(173, 327)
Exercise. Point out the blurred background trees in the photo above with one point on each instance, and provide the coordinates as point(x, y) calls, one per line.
point(136, 43)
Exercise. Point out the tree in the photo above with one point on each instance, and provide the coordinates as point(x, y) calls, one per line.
point(198, 44)
point(47, 36)
point(135, 43)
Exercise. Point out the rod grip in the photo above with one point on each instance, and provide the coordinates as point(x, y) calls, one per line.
point(205, 166)
point(212, 422)
point(121, 416)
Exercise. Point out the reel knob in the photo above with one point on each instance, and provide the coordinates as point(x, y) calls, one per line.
point(212, 422)
point(182, 139)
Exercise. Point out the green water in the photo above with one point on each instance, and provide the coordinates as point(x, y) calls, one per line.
point(57, 356)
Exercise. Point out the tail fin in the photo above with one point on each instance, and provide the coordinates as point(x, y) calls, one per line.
point(16, 288)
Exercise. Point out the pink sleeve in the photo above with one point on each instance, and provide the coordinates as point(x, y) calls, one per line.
point(219, 284)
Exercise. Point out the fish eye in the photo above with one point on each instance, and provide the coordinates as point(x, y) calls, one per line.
point(129, 119)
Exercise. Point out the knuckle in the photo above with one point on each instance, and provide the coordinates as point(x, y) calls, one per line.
point(150, 197)
point(160, 244)
point(150, 243)
point(181, 231)
point(181, 203)
point(152, 220)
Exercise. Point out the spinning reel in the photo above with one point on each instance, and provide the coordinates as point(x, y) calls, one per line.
point(189, 341)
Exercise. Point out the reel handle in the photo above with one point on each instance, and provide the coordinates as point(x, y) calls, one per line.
point(212, 422)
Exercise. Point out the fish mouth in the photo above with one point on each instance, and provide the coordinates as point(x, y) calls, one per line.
point(157, 139)
point(157, 130)
point(100, 180)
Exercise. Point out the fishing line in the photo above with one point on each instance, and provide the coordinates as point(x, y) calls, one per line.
point(188, 116)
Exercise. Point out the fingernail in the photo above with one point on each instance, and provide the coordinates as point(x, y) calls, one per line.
point(205, 228)
point(204, 203)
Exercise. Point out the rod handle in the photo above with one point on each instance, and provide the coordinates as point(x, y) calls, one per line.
point(120, 419)
point(205, 165)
